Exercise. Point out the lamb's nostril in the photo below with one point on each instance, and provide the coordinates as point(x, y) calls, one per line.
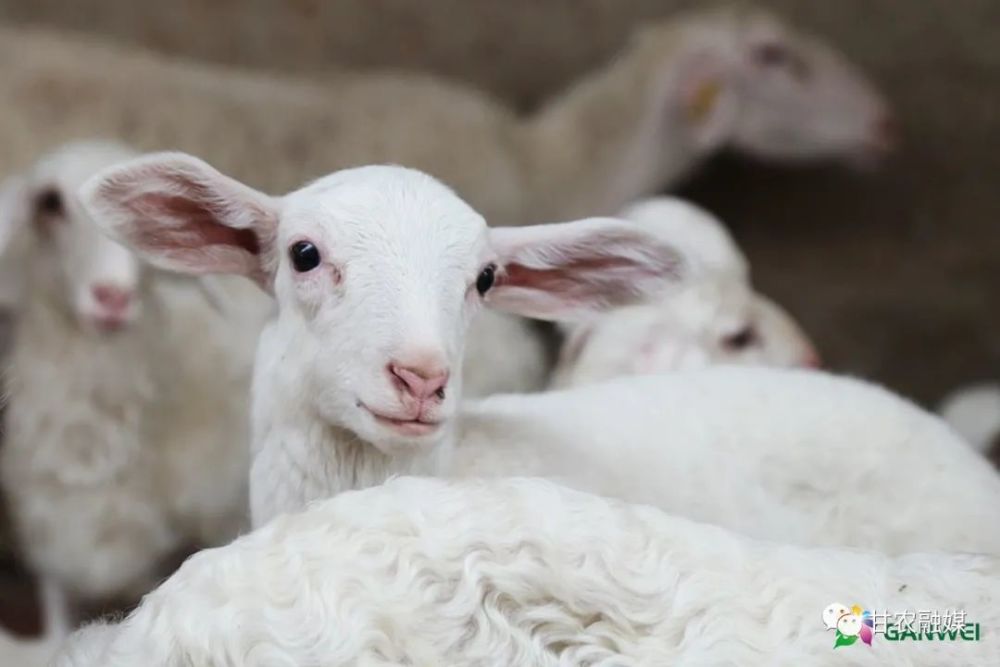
point(112, 297)
point(420, 382)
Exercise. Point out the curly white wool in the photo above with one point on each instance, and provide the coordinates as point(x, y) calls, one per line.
point(527, 573)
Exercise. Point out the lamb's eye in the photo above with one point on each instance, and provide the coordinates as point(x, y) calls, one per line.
point(741, 339)
point(486, 279)
point(49, 202)
point(305, 256)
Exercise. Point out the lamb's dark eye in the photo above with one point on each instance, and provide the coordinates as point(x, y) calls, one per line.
point(485, 280)
point(305, 256)
point(49, 202)
point(741, 339)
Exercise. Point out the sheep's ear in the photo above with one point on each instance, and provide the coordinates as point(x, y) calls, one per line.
point(708, 102)
point(570, 270)
point(183, 215)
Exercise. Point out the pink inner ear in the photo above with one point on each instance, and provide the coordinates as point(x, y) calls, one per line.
point(580, 280)
point(197, 226)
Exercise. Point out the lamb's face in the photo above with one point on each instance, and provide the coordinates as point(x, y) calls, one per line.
point(96, 278)
point(382, 270)
point(100, 278)
point(377, 272)
point(703, 326)
point(801, 100)
point(719, 319)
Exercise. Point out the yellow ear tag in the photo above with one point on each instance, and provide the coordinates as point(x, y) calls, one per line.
point(703, 101)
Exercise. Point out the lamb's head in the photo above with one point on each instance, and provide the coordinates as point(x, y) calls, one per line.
point(748, 81)
point(707, 325)
point(699, 235)
point(717, 318)
point(47, 232)
point(377, 272)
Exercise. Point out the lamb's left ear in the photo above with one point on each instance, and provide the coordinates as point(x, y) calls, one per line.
point(568, 271)
point(181, 214)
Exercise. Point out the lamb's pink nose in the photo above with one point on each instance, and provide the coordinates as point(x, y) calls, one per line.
point(111, 298)
point(421, 382)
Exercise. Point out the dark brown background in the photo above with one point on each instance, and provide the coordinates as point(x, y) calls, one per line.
point(896, 274)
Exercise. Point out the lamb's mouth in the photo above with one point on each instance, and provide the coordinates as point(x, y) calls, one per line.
point(403, 426)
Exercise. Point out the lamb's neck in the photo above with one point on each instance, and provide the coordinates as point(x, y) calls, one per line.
point(299, 454)
point(612, 138)
point(351, 462)
point(305, 458)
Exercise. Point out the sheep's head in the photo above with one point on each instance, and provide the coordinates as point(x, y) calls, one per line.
point(377, 272)
point(747, 80)
point(47, 231)
point(706, 325)
point(716, 319)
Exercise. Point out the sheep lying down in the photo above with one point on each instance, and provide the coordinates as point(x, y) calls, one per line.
point(526, 572)
point(716, 318)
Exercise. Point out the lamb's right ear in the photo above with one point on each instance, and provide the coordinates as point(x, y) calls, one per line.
point(181, 214)
point(572, 270)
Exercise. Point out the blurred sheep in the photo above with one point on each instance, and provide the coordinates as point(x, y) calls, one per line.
point(127, 424)
point(715, 318)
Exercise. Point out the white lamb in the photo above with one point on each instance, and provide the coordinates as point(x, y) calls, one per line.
point(377, 272)
point(523, 572)
point(683, 89)
point(974, 412)
point(118, 448)
point(716, 318)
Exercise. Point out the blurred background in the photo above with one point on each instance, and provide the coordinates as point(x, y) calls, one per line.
point(894, 273)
